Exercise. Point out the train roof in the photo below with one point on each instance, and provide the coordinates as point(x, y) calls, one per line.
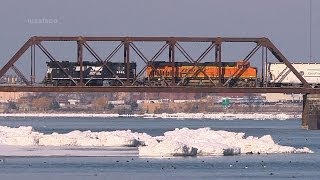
point(85, 63)
point(164, 63)
point(295, 63)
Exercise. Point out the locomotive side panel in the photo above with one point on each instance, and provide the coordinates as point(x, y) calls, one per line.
point(94, 73)
point(201, 74)
point(248, 73)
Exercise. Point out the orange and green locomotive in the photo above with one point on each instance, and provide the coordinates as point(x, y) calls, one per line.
point(184, 73)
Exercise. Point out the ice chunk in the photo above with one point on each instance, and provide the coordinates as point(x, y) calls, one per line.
point(88, 138)
point(167, 148)
point(179, 142)
point(231, 151)
point(23, 135)
point(210, 142)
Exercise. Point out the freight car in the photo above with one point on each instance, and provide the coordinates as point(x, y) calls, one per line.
point(207, 73)
point(280, 75)
point(94, 73)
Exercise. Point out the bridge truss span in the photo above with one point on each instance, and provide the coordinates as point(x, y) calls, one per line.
point(175, 79)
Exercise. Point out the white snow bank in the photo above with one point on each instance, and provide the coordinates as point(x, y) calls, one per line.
point(26, 136)
point(210, 142)
point(180, 142)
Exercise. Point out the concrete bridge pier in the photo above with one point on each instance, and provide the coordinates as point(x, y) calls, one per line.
point(311, 111)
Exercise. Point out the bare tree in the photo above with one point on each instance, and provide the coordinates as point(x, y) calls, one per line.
point(99, 103)
point(41, 103)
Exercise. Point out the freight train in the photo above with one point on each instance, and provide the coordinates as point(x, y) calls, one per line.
point(67, 73)
point(159, 73)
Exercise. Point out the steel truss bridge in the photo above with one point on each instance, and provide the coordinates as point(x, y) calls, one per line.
point(170, 45)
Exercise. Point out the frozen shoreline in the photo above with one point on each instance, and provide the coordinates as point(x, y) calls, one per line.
point(220, 116)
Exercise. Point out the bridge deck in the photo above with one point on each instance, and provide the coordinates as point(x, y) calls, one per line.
point(172, 89)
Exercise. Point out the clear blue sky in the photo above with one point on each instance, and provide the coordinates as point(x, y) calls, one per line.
point(285, 22)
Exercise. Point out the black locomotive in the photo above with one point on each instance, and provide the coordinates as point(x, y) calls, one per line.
point(67, 73)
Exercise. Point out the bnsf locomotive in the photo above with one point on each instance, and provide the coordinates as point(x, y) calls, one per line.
point(240, 73)
point(94, 73)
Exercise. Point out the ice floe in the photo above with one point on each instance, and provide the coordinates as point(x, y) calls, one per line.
point(179, 142)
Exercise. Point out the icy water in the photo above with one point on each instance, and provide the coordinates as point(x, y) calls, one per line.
point(124, 163)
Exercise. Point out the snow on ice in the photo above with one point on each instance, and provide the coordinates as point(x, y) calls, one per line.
point(179, 142)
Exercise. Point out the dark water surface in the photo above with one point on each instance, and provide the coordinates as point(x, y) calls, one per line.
point(276, 166)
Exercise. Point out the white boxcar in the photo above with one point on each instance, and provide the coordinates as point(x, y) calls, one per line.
point(280, 74)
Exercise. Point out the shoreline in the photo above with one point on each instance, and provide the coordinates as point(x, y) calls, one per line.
point(220, 116)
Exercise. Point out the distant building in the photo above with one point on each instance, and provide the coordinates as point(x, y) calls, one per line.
point(157, 101)
point(185, 101)
point(116, 103)
point(11, 96)
point(73, 101)
point(281, 97)
point(3, 107)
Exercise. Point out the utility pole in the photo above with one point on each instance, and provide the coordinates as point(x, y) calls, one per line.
point(310, 30)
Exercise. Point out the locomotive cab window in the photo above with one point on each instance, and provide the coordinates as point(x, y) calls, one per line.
point(243, 66)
